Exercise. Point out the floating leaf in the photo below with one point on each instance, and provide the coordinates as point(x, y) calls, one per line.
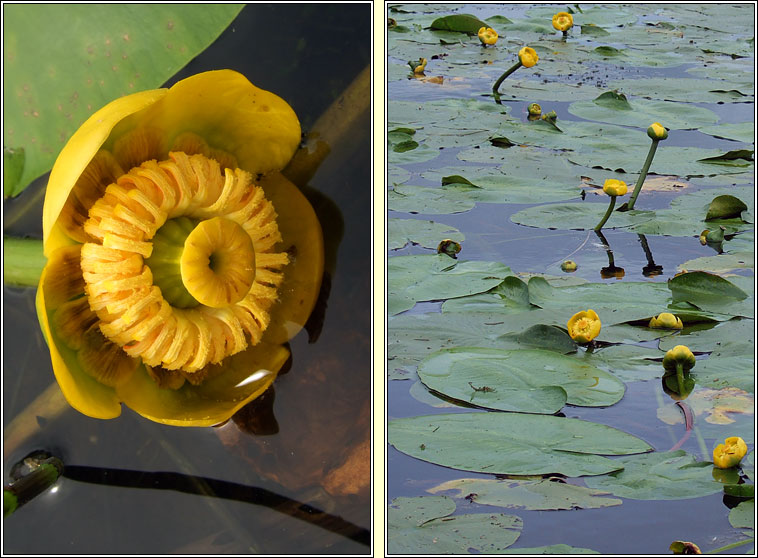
point(525, 380)
point(457, 179)
point(659, 476)
point(421, 232)
point(429, 201)
point(731, 158)
point(424, 526)
point(740, 491)
point(725, 207)
point(54, 85)
point(743, 515)
point(513, 443)
point(438, 277)
point(531, 495)
point(705, 290)
point(462, 23)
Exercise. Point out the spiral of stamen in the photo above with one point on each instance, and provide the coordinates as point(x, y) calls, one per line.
point(236, 227)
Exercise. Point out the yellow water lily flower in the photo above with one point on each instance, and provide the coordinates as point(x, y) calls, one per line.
point(563, 21)
point(657, 132)
point(487, 35)
point(418, 66)
point(614, 187)
point(678, 356)
point(179, 258)
point(528, 57)
point(569, 266)
point(584, 326)
point(730, 453)
point(665, 320)
point(534, 109)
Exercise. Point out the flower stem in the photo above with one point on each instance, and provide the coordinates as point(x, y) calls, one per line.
point(730, 546)
point(607, 214)
point(495, 87)
point(23, 260)
point(643, 175)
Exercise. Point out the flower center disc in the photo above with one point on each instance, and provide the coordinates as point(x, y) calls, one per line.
point(218, 263)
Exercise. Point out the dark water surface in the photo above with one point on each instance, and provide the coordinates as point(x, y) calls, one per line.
point(112, 501)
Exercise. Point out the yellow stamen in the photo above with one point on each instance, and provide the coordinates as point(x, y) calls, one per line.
point(216, 228)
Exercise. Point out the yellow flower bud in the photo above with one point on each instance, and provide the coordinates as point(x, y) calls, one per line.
point(583, 326)
point(569, 266)
point(614, 187)
point(487, 35)
point(528, 57)
point(665, 320)
point(534, 109)
point(563, 21)
point(730, 453)
point(657, 132)
point(417, 66)
point(680, 354)
point(449, 247)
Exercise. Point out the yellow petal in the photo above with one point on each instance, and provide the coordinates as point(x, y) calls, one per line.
point(84, 393)
point(257, 127)
point(77, 154)
point(245, 376)
point(303, 241)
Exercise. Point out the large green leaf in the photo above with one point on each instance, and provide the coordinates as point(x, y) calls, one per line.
point(513, 443)
point(743, 515)
point(531, 495)
point(529, 381)
point(659, 476)
point(62, 62)
point(462, 23)
point(421, 232)
point(438, 277)
point(561, 549)
point(712, 338)
point(424, 525)
point(708, 291)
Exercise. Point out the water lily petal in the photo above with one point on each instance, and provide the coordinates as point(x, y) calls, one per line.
point(259, 128)
point(82, 391)
point(301, 236)
point(77, 154)
point(245, 376)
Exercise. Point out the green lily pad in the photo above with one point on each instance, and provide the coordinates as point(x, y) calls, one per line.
point(531, 495)
point(690, 90)
point(722, 263)
point(711, 339)
point(709, 291)
point(743, 515)
point(438, 277)
point(740, 131)
point(725, 207)
point(416, 231)
point(45, 102)
point(643, 112)
point(462, 23)
point(659, 476)
point(525, 380)
point(578, 216)
point(551, 549)
point(427, 201)
point(513, 443)
point(424, 525)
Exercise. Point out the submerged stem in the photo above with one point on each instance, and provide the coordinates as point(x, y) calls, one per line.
point(23, 261)
point(643, 175)
point(607, 214)
point(730, 546)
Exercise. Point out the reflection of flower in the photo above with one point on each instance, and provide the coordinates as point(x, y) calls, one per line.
point(665, 320)
point(730, 453)
point(611, 272)
point(487, 35)
point(563, 21)
point(528, 57)
point(583, 326)
point(657, 132)
point(614, 187)
point(179, 259)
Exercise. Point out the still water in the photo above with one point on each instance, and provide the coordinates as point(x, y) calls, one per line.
point(261, 483)
point(490, 235)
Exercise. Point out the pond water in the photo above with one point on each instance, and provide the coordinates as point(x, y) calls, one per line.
point(468, 72)
point(255, 484)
